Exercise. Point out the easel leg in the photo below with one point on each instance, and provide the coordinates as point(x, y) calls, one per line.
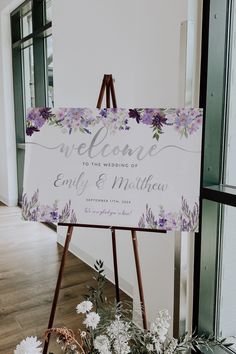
point(58, 285)
point(139, 276)
point(108, 101)
point(113, 233)
point(176, 329)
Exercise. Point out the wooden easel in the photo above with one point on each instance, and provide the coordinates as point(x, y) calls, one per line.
point(107, 85)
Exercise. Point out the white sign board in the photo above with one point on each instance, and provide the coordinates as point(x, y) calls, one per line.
point(136, 168)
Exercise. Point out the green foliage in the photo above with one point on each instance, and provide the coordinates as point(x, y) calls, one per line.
point(116, 324)
point(96, 294)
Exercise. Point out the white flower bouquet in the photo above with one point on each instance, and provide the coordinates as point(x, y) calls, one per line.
point(109, 329)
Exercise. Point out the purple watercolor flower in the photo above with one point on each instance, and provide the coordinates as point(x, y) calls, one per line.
point(54, 215)
point(147, 118)
point(74, 118)
point(183, 119)
point(159, 120)
point(31, 130)
point(45, 112)
point(103, 113)
point(187, 121)
point(39, 121)
point(36, 118)
point(133, 113)
point(161, 222)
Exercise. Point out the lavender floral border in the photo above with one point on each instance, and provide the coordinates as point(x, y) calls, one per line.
point(32, 210)
point(186, 121)
point(185, 220)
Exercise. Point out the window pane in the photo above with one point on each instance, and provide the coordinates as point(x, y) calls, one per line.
point(217, 309)
point(26, 19)
point(32, 66)
point(49, 71)
point(230, 176)
point(48, 10)
point(227, 305)
point(28, 77)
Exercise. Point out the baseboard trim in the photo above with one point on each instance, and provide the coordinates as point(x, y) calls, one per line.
point(8, 202)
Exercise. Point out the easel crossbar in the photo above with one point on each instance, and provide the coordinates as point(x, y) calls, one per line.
point(124, 228)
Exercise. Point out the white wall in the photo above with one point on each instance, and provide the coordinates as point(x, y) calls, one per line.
point(8, 175)
point(138, 41)
point(195, 17)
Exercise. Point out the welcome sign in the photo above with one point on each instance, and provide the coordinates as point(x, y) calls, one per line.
point(117, 167)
